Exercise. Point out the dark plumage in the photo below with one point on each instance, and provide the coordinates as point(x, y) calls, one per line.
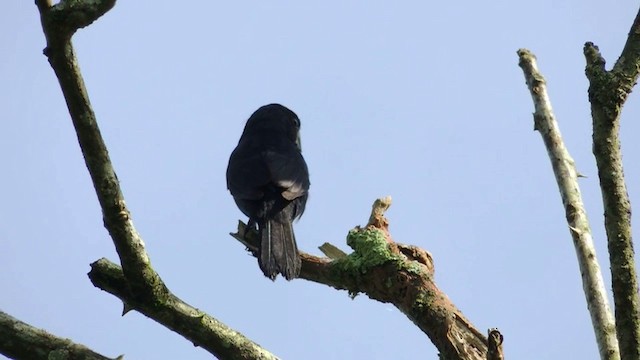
point(269, 181)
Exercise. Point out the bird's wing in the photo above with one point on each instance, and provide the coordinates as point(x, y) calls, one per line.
point(288, 171)
point(247, 174)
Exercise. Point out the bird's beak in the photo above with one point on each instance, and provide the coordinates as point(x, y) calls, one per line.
point(298, 142)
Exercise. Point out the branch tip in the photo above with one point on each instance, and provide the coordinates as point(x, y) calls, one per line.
point(496, 339)
point(525, 53)
point(379, 207)
point(331, 251)
point(43, 5)
point(593, 56)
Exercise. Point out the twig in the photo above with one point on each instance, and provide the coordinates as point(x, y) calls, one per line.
point(608, 91)
point(567, 179)
point(19, 340)
point(331, 251)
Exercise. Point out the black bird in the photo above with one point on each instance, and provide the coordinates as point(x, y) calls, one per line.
point(269, 181)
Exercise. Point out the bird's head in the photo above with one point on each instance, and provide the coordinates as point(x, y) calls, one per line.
point(276, 121)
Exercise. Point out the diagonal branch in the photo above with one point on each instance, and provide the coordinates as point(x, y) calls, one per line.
point(567, 179)
point(139, 285)
point(608, 91)
point(392, 273)
point(19, 340)
point(196, 326)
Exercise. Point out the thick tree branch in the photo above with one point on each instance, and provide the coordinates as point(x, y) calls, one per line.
point(392, 273)
point(138, 284)
point(195, 325)
point(567, 179)
point(19, 340)
point(608, 91)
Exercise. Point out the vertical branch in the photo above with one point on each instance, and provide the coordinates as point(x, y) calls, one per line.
point(567, 179)
point(608, 91)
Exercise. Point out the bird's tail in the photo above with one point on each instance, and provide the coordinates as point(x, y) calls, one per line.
point(278, 249)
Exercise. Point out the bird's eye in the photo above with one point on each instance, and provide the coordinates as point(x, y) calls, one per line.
point(296, 122)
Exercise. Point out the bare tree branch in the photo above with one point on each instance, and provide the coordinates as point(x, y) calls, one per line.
point(143, 287)
point(195, 325)
point(392, 273)
point(567, 179)
point(19, 340)
point(608, 91)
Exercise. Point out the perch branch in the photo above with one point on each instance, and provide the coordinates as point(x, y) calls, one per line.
point(567, 179)
point(19, 340)
point(392, 273)
point(139, 286)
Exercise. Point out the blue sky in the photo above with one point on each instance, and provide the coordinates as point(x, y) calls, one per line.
point(420, 101)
